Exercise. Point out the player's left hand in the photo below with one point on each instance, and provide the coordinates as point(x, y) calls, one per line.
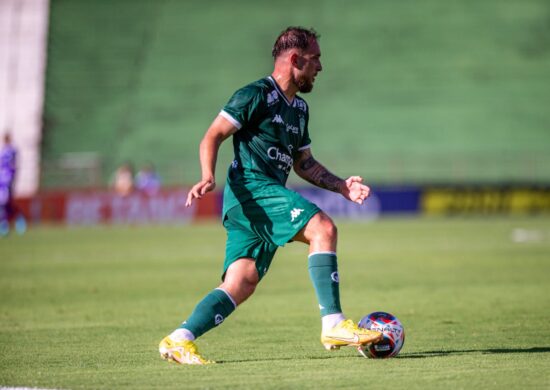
point(355, 190)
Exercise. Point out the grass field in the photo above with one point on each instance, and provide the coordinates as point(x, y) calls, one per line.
point(86, 308)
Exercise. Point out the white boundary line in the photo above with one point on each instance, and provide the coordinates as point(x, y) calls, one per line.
point(23, 388)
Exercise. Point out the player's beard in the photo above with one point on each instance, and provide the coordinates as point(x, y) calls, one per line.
point(304, 84)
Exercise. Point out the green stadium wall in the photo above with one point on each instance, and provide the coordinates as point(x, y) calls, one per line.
point(411, 91)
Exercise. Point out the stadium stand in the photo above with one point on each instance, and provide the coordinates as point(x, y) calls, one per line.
point(23, 29)
point(410, 93)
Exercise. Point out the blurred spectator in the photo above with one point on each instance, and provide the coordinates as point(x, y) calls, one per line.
point(8, 210)
point(123, 180)
point(147, 180)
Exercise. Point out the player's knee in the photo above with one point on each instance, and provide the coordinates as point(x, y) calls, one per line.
point(325, 229)
point(241, 281)
point(244, 290)
point(331, 232)
point(249, 287)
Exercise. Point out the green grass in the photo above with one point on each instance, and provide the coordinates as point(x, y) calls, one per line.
point(86, 308)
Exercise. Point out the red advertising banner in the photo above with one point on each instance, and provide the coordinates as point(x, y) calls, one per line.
point(98, 207)
point(168, 206)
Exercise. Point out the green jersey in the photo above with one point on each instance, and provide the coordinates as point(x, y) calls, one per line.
point(272, 130)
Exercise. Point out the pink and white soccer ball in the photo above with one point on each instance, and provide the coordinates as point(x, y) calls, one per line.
point(391, 328)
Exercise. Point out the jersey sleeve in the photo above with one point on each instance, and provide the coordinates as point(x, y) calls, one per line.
point(243, 107)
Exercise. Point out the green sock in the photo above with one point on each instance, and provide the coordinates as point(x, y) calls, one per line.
point(210, 312)
point(323, 270)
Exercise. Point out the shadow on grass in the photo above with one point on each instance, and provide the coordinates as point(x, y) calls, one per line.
point(490, 351)
point(411, 355)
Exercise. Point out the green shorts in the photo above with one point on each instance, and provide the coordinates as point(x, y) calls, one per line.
point(256, 228)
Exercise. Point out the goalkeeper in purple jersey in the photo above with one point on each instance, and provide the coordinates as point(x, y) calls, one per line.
point(8, 211)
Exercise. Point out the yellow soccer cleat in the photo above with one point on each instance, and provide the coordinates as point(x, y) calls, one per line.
point(182, 352)
point(346, 333)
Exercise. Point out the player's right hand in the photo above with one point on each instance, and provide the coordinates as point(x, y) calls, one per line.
point(355, 190)
point(199, 189)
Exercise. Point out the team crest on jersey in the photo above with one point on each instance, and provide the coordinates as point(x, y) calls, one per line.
point(300, 104)
point(272, 98)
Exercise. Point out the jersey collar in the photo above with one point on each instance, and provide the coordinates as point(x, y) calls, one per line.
point(280, 92)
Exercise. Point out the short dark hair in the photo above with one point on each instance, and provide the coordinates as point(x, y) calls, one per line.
point(293, 38)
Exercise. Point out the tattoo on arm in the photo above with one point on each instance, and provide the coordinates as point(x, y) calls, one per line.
point(308, 163)
point(310, 170)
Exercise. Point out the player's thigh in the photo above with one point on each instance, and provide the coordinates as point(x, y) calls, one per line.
point(244, 243)
point(287, 212)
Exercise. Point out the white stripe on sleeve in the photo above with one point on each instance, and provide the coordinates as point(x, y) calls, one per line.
point(233, 121)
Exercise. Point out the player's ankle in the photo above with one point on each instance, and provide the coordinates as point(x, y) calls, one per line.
point(331, 320)
point(182, 334)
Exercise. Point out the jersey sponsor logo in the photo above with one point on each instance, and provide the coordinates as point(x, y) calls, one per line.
point(292, 128)
point(286, 161)
point(295, 213)
point(272, 97)
point(277, 119)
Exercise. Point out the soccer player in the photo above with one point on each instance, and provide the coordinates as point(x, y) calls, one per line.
point(8, 157)
point(147, 180)
point(269, 125)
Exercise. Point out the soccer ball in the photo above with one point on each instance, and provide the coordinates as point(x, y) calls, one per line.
point(391, 328)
